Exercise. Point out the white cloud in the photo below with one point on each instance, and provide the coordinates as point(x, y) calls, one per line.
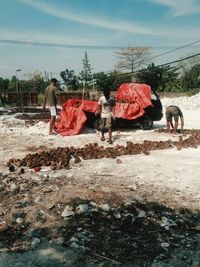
point(180, 7)
point(89, 20)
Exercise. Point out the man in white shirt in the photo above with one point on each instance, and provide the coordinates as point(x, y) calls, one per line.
point(106, 105)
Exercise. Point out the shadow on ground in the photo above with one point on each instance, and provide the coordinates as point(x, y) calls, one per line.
point(132, 234)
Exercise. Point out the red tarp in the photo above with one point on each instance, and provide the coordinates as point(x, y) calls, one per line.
point(134, 98)
point(131, 98)
point(72, 116)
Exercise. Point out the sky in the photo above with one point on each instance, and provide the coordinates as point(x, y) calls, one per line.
point(99, 27)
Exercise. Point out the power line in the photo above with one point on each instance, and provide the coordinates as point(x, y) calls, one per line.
point(161, 65)
point(175, 49)
point(88, 46)
point(57, 44)
point(179, 60)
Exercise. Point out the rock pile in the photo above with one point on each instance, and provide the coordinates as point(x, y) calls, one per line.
point(60, 157)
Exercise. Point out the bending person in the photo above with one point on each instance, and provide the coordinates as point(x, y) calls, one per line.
point(174, 112)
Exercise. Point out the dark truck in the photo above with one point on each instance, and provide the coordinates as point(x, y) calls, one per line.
point(152, 110)
point(135, 104)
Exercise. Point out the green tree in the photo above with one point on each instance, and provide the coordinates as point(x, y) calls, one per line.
point(70, 79)
point(86, 73)
point(191, 78)
point(186, 65)
point(162, 78)
point(169, 78)
point(34, 82)
point(150, 76)
point(110, 81)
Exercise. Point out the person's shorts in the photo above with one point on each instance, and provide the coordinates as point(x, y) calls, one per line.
point(52, 110)
point(171, 113)
point(106, 123)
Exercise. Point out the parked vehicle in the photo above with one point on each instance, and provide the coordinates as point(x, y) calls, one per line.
point(135, 103)
point(130, 96)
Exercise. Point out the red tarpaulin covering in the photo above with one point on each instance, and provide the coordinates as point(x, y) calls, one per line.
point(134, 98)
point(131, 98)
point(72, 116)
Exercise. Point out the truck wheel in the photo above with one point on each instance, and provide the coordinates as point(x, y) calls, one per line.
point(97, 124)
point(147, 123)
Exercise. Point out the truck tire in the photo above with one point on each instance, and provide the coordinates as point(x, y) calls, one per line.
point(146, 123)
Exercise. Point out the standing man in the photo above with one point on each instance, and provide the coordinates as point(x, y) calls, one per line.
point(174, 112)
point(51, 99)
point(106, 105)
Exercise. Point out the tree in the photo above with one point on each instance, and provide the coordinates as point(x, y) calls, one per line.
point(35, 82)
point(4, 84)
point(169, 78)
point(191, 78)
point(187, 64)
point(110, 81)
point(70, 79)
point(132, 58)
point(159, 78)
point(150, 76)
point(86, 73)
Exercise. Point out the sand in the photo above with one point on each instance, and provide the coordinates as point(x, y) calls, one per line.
point(169, 176)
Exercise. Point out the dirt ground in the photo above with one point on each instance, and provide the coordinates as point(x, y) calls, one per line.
point(168, 177)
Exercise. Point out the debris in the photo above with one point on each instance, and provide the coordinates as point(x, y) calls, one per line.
point(164, 245)
point(60, 157)
point(14, 188)
point(104, 207)
point(21, 171)
point(166, 222)
point(3, 226)
point(67, 212)
point(41, 216)
point(35, 243)
point(37, 169)
point(19, 220)
point(118, 161)
point(11, 168)
point(83, 208)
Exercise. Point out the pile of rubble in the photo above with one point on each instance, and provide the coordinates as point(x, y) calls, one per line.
point(132, 233)
point(60, 157)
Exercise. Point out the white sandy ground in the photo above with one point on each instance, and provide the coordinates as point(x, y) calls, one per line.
point(169, 176)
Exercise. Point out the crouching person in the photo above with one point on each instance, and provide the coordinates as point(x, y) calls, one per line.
point(106, 104)
point(174, 112)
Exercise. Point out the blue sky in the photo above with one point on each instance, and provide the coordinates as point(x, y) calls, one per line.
point(159, 24)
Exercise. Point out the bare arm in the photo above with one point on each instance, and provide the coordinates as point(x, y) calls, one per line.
point(182, 123)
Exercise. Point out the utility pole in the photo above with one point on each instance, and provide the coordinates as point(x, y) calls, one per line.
point(18, 88)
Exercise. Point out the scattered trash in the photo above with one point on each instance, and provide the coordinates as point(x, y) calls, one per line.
point(164, 245)
point(11, 168)
point(21, 171)
point(104, 207)
point(37, 169)
point(83, 208)
point(118, 161)
point(67, 212)
point(35, 243)
point(19, 220)
point(3, 226)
